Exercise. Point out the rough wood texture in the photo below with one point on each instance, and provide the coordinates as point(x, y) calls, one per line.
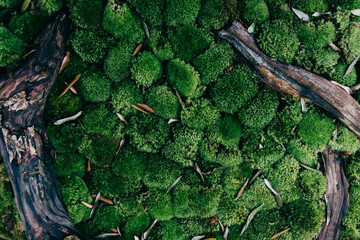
point(304, 84)
point(336, 193)
point(24, 144)
point(295, 81)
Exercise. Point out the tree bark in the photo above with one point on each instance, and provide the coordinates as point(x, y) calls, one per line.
point(24, 144)
point(304, 84)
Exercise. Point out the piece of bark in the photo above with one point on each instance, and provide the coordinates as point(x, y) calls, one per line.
point(295, 81)
point(24, 144)
point(336, 193)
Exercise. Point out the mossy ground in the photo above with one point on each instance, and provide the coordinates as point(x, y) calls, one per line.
point(230, 125)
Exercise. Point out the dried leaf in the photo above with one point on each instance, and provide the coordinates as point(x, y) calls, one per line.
point(104, 199)
point(279, 200)
point(213, 219)
point(328, 210)
point(242, 189)
point(97, 199)
point(118, 231)
point(72, 89)
point(146, 107)
point(199, 171)
point(173, 184)
point(351, 66)
point(226, 232)
point(280, 233)
point(25, 5)
point(221, 225)
point(250, 218)
point(180, 100)
point(121, 143)
point(67, 119)
point(346, 88)
point(334, 47)
point(255, 176)
point(105, 235)
point(88, 168)
point(65, 61)
point(146, 234)
point(121, 118)
point(355, 12)
point(198, 237)
point(146, 29)
point(277, 195)
point(355, 88)
point(303, 105)
point(251, 29)
point(113, 230)
point(139, 109)
point(137, 49)
point(69, 86)
point(87, 204)
point(172, 120)
point(303, 16)
point(316, 14)
point(136, 238)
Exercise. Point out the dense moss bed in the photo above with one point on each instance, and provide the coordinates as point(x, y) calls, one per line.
point(229, 127)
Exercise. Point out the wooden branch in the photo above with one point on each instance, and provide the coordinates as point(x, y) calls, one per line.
point(337, 195)
point(294, 80)
point(24, 144)
point(304, 84)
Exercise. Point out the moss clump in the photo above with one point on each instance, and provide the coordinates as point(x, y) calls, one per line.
point(12, 47)
point(146, 69)
point(160, 177)
point(102, 121)
point(266, 224)
point(278, 41)
point(234, 177)
point(348, 4)
point(338, 75)
point(70, 164)
point(214, 14)
point(280, 12)
point(121, 22)
point(310, 6)
point(164, 102)
point(232, 212)
point(184, 78)
point(229, 129)
point(349, 43)
point(94, 86)
point(181, 12)
point(316, 36)
point(65, 138)
point(147, 133)
point(125, 94)
point(254, 10)
point(233, 90)
point(316, 129)
point(160, 45)
point(344, 140)
point(136, 225)
point(189, 41)
point(214, 61)
point(84, 16)
point(73, 191)
point(107, 217)
point(353, 168)
point(302, 152)
point(312, 185)
point(75, 66)
point(151, 11)
point(170, 230)
point(51, 6)
point(183, 149)
point(352, 219)
point(7, 3)
point(260, 111)
point(200, 114)
point(160, 205)
point(117, 63)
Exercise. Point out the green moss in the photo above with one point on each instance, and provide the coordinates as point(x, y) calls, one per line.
point(91, 45)
point(184, 78)
point(352, 218)
point(160, 45)
point(310, 6)
point(280, 11)
point(229, 129)
point(7, 3)
point(267, 223)
point(99, 149)
point(214, 61)
point(349, 43)
point(160, 205)
point(130, 206)
point(312, 185)
point(136, 225)
point(316, 129)
point(232, 91)
point(231, 212)
point(107, 217)
point(181, 12)
point(197, 226)
point(84, 16)
point(12, 47)
point(304, 217)
point(73, 191)
point(94, 86)
point(151, 11)
point(278, 41)
point(189, 41)
point(146, 69)
point(348, 4)
point(164, 102)
point(234, 178)
point(200, 114)
point(130, 164)
point(338, 75)
point(183, 149)
point(51, 6)
point(117, 63)
point(254, 10)
point(344, 140)
point(171, 230)
point(70, 164)
point(316, 36)
point(160, 177)
point(214, 14)
point(75, 66)
point(260, 111)
point(302, 152)
point(125, 94)
point(353, 169)
point(65, 138)
point(148, 133)
point(121, 22)
point(101, 121)
point(341, 19)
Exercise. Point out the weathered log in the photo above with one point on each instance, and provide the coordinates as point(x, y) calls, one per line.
point(304, 84)
point(24, 144)
point(295, 81)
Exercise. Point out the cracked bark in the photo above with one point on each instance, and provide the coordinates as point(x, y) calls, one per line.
point(304, 84)
point(24, 144)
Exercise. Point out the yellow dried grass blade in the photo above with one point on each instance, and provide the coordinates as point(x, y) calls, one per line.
point(280, 233)
point(146, 107)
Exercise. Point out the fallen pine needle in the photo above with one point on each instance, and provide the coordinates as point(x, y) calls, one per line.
point(180, 100)
point(69, 86)
point(137, 108)
point(242, 189)
point(137, 49)
point(72, 88)
point(146, 107)
point(280, 233)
